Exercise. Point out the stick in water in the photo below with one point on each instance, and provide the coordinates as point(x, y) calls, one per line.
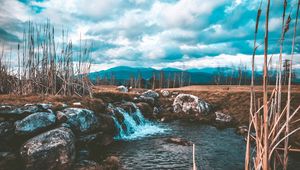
point(194, 162)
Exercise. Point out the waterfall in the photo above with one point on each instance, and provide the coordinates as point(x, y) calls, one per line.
point(134, 125)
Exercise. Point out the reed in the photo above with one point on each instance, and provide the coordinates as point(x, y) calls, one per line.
point(272, 127)
point(46, 65)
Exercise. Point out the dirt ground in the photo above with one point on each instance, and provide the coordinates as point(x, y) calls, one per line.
point(232, 100)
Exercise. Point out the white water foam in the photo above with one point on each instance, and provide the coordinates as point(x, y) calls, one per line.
point(136, 129)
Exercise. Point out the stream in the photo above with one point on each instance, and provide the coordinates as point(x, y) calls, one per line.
point(212, 148)
point(142, 146)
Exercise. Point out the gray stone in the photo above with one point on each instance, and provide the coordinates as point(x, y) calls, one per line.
point(122, 89)
point(34, 123)
point(150, 93)
point(221, 117)
point(149, 100)
point(188, 103)
point(165, 93)
point(54, 149)
point(82, 121)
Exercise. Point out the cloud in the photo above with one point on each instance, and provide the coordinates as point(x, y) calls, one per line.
point(275, 24)
point(224, 60)
point(234, 4)
point(208, 49)
point(6, 36)
point(152, 32)
point(182, 13)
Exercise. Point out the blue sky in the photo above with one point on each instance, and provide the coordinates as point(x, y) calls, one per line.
point(155, 33)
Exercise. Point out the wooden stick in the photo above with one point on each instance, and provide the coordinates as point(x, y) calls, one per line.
point(194, 161)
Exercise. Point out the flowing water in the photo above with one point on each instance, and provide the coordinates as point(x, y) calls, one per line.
point(143, 146)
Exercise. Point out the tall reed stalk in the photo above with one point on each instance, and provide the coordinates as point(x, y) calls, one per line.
point(44, 67)
point(272, 128)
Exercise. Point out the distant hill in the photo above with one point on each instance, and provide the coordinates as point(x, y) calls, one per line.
point(194, 75)
point(125, 73)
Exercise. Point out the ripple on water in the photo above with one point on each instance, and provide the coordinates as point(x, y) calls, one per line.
point(147, 149)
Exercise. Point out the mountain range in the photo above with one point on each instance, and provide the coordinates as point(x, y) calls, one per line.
point(196, 75)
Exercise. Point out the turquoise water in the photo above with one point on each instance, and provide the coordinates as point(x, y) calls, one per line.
point(142, 145)
point(215, 149)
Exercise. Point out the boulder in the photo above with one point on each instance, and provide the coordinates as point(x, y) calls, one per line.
point(107, 124)
point(144, 99)
point(188, 103)
point(95, 140)
point(145, 108)
point(35, 123)
point(21, 112)
point(179, 141)
point(150, 93)
point(81, 121)
point(54, 149)
point(165, 93)
point(87, 165)
point(129, 107)
point(122, 89)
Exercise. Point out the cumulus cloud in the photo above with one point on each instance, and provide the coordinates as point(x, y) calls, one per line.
point(152, 33)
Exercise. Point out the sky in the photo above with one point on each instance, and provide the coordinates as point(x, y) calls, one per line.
point(157, 33)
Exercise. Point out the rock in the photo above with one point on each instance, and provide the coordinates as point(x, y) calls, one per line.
point(221, 117)
point(145, 108)
point(21, 112)
point(155, 111)
point(34, 123)
point(87, 165)
point(242, 130)
point(150, 93)
point(122, 89)
point(54, 149)
point(144, 99)
point(82, 121)
point(165, 93)
point(175, 93)
point(61, 117)
point(107, 124)
point(95, 140)
point(129, 107)
point(188, 103)
point(9, 161)
point(223, 120)
point(111, 163)
point(5, 107)
point(179, 141)
point(77, 104)
point(45, 106)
